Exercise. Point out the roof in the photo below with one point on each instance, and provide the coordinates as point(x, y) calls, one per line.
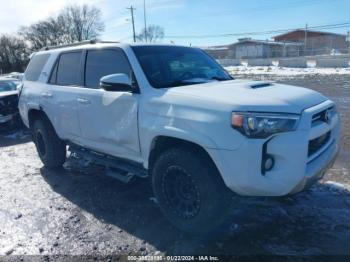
point(310, 31)
point(214, 48)
point(96, 44)
point(266, 42)
point(249, 40)
point(5, 78)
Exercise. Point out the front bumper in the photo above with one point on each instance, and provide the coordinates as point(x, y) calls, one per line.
point(314, 171)
point(7, 118)
point(294, 168)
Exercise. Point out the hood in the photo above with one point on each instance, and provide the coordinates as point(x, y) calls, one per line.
point(8, 93)
point(248, 95)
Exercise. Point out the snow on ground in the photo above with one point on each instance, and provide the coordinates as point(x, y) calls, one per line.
point(337, 186)
point(285, 71)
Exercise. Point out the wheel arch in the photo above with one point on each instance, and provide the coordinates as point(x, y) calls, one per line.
point(34, 114)
point(162, 143)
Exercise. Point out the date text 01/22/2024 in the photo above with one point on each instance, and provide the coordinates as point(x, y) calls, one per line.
point(173, 258)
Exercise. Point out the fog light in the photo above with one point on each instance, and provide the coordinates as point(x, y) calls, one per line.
point(269, 163)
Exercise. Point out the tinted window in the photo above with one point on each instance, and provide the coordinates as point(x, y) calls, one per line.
point(68, 69)
point(170, 66)
point(35, 66)
point(100, 63)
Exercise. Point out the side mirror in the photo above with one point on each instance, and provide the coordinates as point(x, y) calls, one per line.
point(116, 83)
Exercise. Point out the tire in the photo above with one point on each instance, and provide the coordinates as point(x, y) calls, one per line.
point(51, 149)
point(190, 191)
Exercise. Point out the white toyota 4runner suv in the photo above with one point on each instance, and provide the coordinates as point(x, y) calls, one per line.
point(174, 114)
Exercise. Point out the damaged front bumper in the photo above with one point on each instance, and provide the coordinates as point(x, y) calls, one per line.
point(296, 165)
point(8, 118)
point(312, 176)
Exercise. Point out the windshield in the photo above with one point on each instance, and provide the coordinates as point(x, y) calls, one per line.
point(170, 66)
point(7, 86)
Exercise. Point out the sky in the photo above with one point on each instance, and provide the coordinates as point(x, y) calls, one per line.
point(190, 22)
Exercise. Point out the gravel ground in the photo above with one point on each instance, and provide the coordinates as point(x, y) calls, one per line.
point(76, 211)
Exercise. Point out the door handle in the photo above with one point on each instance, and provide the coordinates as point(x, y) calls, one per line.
point(83, 101)
point(47, 95)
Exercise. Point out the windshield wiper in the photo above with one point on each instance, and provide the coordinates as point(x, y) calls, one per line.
point(195, 81)
point(220, 78)
point(183, 83)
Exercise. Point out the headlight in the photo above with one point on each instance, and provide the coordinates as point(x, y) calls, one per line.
point(262, 125)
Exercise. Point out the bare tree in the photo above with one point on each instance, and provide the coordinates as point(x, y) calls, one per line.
point(74, 23)
point(44, 33)
point(154, 33)
point(13, 54)
point(82, 22)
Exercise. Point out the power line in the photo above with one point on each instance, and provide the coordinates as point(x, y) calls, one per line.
point(319, 27)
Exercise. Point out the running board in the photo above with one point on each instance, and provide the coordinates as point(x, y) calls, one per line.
point(124, 177)
point(117, 168)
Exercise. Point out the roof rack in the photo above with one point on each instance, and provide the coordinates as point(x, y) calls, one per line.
point(86, 42)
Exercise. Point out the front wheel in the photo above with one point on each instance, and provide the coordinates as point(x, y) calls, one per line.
point(51, 149)
point(190, 191)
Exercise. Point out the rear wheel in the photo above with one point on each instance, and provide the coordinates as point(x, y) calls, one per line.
point(190, 191)
point(51, 149)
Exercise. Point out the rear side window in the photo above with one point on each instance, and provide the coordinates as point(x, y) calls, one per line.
point(35, 66)
point(68, 69)
point(100, 63)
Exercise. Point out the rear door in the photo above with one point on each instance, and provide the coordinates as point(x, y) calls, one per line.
point(60, 97)
point(108, 120)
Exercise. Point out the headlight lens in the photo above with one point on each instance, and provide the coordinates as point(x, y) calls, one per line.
point(262, 125)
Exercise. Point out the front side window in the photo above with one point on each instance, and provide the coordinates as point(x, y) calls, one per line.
point(104, 62)
point(170, 66)
point(68, 69)
point(35, 66)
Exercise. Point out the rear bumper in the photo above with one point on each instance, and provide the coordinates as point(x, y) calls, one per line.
point(294, 168)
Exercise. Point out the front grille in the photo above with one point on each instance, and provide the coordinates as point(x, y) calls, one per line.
point(8, 105)
point(317, 143)
point(320, 116)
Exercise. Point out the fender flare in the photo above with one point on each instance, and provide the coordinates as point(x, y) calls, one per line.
point(201, 141)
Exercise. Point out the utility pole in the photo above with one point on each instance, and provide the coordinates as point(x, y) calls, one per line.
point(144, 18)
point(305, 44)
point(349, 42)
point(131, 8)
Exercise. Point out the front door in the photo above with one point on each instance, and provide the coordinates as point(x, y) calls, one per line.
point(108, 120)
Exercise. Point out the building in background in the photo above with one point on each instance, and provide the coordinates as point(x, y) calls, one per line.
point(316, 43)
point(292, 44)
point(219, 52)
point(251, 48)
